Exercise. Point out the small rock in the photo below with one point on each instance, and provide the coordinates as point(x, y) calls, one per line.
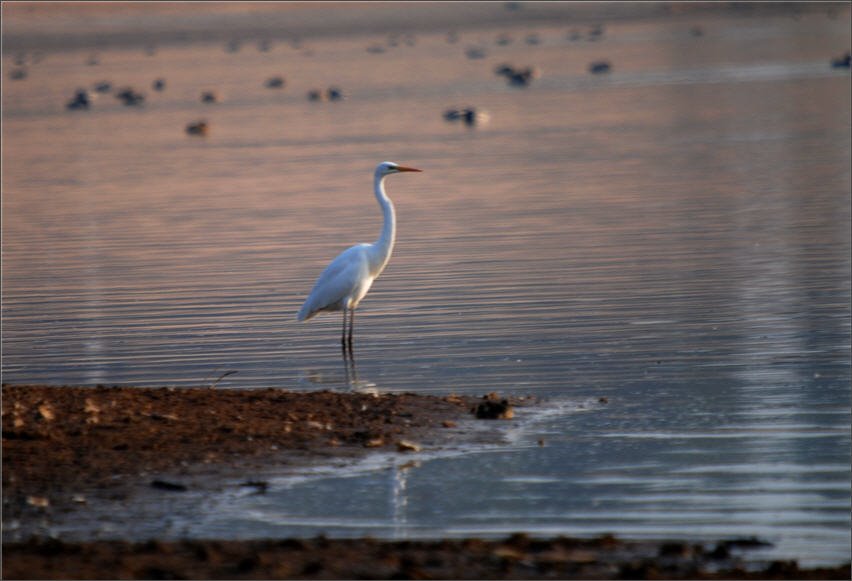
point(46, 412)
point(91, 407)
point(171, 486)
point(406, 446)
point(492, 409)
point(38, 501)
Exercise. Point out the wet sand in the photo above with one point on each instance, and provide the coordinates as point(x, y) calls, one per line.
point(62, 443)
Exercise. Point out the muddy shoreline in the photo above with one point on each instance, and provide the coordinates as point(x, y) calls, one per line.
point(65, 446)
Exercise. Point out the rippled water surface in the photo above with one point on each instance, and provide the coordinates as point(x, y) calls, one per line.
point(673, 236)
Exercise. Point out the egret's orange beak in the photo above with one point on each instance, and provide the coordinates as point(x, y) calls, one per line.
point(403, 168)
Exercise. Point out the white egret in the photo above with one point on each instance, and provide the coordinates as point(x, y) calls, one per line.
point(345, 281)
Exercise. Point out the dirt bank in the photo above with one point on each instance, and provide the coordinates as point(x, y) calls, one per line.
point(61, 441)
point(517, 557)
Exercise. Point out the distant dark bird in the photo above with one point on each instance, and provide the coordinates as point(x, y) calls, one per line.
point(517, 77)
point(198, 128)
point(209, 97)
point(159, 84)
point(103, 87)
point(18, 74)
point(504, 39)
point(475, 52)
point(523, 77)
point(469, 116)
point(130, 97)
point(504, 70)
point(330, 94)
point(596, 32)
point(274, 82)
point(80, 101)
point(600, 67)
point(842, 62)
point(533, 39)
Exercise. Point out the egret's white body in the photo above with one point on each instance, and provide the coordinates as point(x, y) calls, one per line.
point(345, 281)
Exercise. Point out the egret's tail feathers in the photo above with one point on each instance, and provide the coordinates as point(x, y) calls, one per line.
point(305, 313)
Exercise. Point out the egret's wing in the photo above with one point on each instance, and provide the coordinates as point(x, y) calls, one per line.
point(337, 281)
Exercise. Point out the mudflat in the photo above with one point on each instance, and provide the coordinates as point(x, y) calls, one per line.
point(61, 444)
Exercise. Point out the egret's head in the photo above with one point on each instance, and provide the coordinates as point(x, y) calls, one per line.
point(388, 167)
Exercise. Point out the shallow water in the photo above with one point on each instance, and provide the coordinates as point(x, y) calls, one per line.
point(674, 236)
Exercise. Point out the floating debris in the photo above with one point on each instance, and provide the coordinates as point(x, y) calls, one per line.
point(600, 67)
point(274, 83)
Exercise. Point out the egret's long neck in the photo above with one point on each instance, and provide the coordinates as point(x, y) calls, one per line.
point(384, 245)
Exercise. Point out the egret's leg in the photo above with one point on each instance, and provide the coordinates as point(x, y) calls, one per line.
point(351, 326)
point(343, 334)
